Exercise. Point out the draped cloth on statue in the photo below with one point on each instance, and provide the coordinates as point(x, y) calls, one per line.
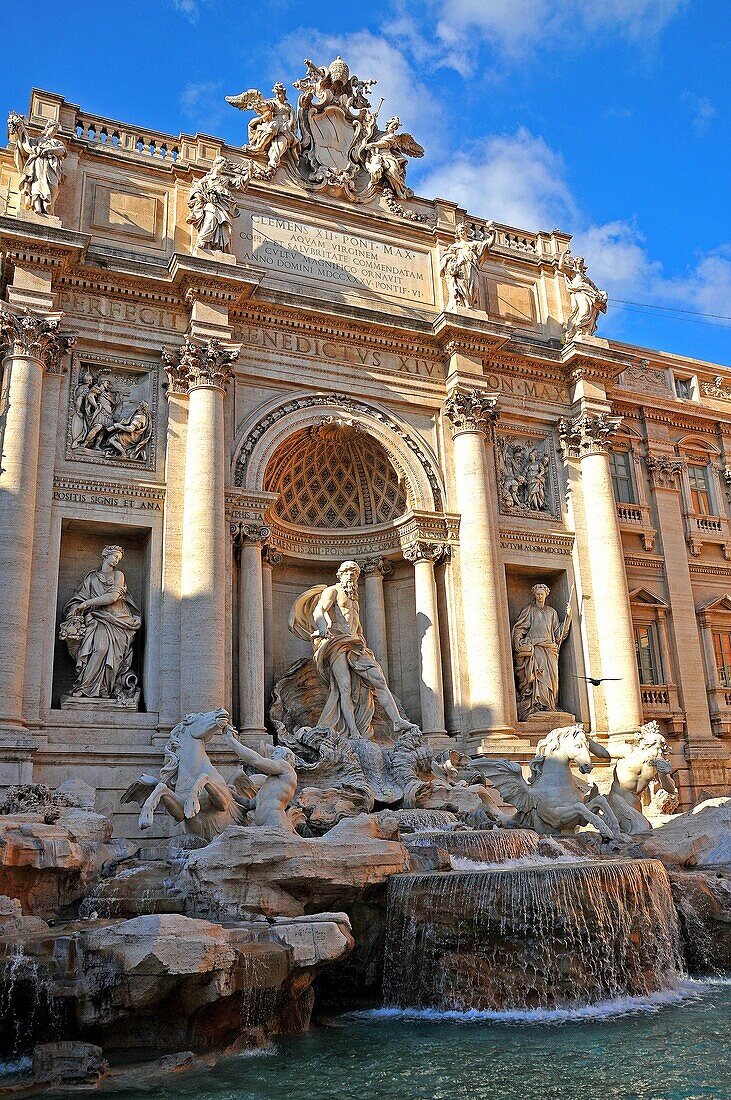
point(365, 671)
point(537, 637)
point(104, 656)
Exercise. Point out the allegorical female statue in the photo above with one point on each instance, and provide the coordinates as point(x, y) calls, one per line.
point(587, 300)
point(99, 625)
point(38, 160)
point(213, 205)
point(460, 267)
point(537, 638)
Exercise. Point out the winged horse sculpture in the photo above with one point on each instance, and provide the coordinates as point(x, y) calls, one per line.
point(554, 800)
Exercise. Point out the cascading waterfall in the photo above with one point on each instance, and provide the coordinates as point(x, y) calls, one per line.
point(480, 845)
point(530, 937)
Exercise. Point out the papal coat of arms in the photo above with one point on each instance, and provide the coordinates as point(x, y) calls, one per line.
point(332, 141)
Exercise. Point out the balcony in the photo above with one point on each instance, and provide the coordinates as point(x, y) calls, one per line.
point(719, 704)
point(700, 529)
point(660, 702)
point(636, 518)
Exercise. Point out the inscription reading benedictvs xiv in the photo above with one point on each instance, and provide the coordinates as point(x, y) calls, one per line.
point(289, 247)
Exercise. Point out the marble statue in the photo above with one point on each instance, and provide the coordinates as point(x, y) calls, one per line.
point(328, 616)
point(645, 761)
point(386, 153)
point(189, 787)
point(275, 779)
point(97, 422)
point(38, 161)
point(537, 638)
point(213, 204)
point(99, 626)
point(460, 267)
point(523, 476)
point(587, 300)
point(273, 132)
point(553, 801)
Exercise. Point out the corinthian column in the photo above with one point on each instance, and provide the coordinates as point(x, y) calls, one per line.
point(423, 555)
point(472, 415)
point(250, 539)
point(588, 438)
point(270, 558)
point(207, 369)
point(33, 343)
point(374, 570)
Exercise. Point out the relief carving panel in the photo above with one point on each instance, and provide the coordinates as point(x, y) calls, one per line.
point(112, 413)
point(527, 477)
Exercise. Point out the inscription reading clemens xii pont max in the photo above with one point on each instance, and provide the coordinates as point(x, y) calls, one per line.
point(290, 247)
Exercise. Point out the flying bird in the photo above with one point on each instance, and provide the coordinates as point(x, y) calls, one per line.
point(597, 680)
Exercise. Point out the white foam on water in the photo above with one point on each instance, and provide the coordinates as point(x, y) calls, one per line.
point(462, 863)
point(14, 1067)
point(688, 989)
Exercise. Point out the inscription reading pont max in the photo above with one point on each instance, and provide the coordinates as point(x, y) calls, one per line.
point(290, 247)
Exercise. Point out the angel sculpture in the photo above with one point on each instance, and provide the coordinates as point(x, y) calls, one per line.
point(213, 205)
point(274, 130)
point(385, 158)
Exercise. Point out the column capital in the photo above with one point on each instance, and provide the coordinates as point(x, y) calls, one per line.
point(380, 567)
point(199, 364)
point(471, 411)
point(249, 532)
point(271, 555)
point(664, 470)
point(587, 434)
point(426, 551)
point(32, 334)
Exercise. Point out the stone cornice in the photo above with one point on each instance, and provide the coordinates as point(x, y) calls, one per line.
point(23, 332)
point(525, 540)
point(196, 278)
point(31, 242)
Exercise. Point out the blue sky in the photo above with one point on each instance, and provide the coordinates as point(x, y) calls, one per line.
point(608, 118)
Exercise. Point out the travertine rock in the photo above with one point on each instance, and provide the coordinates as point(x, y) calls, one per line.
point(703, 902)
point(250, 872)
point(49, 867)
point(700, 838)
point(69, 1063)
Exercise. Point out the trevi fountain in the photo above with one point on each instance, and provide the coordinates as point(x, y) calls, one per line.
point(365, 713)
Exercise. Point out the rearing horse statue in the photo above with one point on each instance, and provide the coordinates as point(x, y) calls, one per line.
point(554, 801)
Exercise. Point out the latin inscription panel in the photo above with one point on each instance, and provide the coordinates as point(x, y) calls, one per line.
point(291, 248)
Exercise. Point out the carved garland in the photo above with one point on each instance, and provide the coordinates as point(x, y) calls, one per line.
point(339, 401)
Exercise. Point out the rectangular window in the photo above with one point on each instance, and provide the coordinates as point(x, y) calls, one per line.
point(700, 491)
point(722, 650)
point(648, 665)
point(620, 463)
point(684, 389)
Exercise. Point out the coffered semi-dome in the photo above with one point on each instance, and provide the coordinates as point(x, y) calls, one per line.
point(334, 476)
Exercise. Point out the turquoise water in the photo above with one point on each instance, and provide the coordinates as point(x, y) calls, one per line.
point(668, 1050)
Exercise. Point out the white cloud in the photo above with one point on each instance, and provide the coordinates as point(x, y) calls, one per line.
point(702, 111)
point(512, 178)
point(369, 55)
point(515, 28)
point(204, 104)
point(189, 8)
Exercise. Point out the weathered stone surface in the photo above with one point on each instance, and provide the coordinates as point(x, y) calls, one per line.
point(703, 902)
point(700, 838)
point(49, 867)
point(134, 889)
point(251, 872)
point(69, 1063)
